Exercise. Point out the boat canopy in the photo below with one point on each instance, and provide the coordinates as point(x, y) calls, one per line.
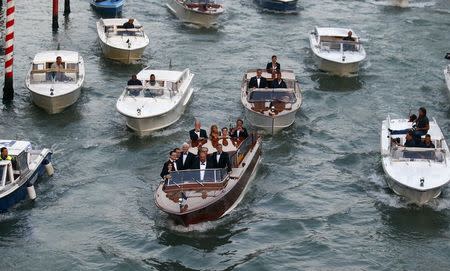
point(15, 147)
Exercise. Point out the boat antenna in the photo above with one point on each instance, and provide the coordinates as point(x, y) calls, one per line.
point(170, 64)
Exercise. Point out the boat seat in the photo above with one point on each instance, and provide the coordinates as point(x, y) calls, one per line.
point(259, 106)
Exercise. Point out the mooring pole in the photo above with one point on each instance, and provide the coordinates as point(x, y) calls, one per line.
point(66, 7)
point(8, 89)
point(55, 25)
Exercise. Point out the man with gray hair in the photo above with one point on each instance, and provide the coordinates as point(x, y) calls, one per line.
point(197, 133)
point(186, 158)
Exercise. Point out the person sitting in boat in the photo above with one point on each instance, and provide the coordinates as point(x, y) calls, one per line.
point(129, 24)
point(152, 80)
point(198, 134)
point(178, 151)
point(221, 159)
point(57, 70)
point(279, 82)
point(134, 81)
point(410, 141)
point(239, 131)
point(427, 143)
point(273, 66)
point(172, 161)
point(258, 81)
point(202, 161)
point(349, 38)
point(5, 157)
point(420, 127)
point(186, 158)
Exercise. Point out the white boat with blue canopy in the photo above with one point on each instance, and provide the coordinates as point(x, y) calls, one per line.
point(333, 53)
point(19, 175)
point(271, 109)
point(417, 173)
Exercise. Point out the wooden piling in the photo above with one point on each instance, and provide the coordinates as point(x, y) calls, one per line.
point(8, 88)
point(66, 7)
point(55, 24)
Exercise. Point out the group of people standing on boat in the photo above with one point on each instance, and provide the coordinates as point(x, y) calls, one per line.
point(183, 159)
point(274, 68)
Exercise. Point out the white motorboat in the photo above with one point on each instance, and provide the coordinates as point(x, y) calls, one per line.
point(55, 89)
point(204, 13)
point(152, 107)
point(122, 44)
point(447, 76)
point(400, 3)
point(271, 108)
point(333, 53)
point(419, 174)
point(19, 175)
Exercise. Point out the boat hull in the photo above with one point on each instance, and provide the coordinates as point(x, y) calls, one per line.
point(222, 206)
point(270, 124)
point(337, 68)
point(280, 6)
point(55, 104)
point(413, 195)
point(145, 126)
point(192, 17)
point(400, 3)
point(20, 192)
point(124, 56)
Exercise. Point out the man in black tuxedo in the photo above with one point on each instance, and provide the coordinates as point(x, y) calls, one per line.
point(221, 159)
point(239, 131)
point(186, 158)
point(202, 162)
point(172, 161)
point(278, 82)
point(197, 133)
point(274, 66)
point(258, 81)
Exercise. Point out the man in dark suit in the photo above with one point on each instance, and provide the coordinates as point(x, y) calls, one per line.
point(197, 133)
point(239, 131)
point(278, 82)
point(172, 161)
point(274, 66)
point(186, 158)
point(258, 81)
point(221, 159)
point(202, 162)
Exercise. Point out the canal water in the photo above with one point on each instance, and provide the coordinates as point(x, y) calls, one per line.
point(319, 199)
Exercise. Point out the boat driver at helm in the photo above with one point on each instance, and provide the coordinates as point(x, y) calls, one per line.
point(5, 157)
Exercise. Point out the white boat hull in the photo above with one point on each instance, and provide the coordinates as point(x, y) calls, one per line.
point(447, 77)
point(337, 68)
point(400, 3)
point(121, 55)
point(145, 126)
point(270, 124)
point(192, 17)
point(55, 104)
point(415, 196)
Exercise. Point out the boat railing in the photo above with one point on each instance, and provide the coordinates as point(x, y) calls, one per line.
point(111, 31)
point(341, 46)
point(6, 173)
point(52, 75)
point(399, 153)
point(199, 177)
point(244, 148)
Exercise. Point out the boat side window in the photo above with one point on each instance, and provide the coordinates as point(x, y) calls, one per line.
point(153, 92)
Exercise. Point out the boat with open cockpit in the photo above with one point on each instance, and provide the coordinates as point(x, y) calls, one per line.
point(199, 195)
point(334, 52)
point(122, 44)
point(19, 175)
point(271, 109)
point(204, 13)
point(417, 173)
point(54, 87)
point(154, 106)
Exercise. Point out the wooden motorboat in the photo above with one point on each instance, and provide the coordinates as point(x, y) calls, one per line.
point(271, 109)
point(285, 6)
point(195, 196)
point(204, 13)
point(55, 89)
point(17, 181)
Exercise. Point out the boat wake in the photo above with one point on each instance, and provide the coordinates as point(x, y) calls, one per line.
point(200, 227)
point(412, 4)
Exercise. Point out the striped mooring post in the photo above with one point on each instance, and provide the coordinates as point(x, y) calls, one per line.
point(66, 7)
point(8, 89)
point(55, 24)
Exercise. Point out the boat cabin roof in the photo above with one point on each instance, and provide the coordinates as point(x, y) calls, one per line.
point(119, 22)
point(50, 56)
point(15, 147)
point(285, 74)
point(160, 75)
point(334, 31)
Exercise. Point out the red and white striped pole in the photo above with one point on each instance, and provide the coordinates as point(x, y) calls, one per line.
point(55, 24)
point(8, 90)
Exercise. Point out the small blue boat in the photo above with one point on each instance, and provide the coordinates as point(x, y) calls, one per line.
point(108, 6)
point(287, 6)
point(19, 175)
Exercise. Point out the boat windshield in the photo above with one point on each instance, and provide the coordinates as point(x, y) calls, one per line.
point(196, 176)
point(274, 95)
point(146, 92)
point(43, 73)
point(138, 31)
point(339, 44)
point(411, 154)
